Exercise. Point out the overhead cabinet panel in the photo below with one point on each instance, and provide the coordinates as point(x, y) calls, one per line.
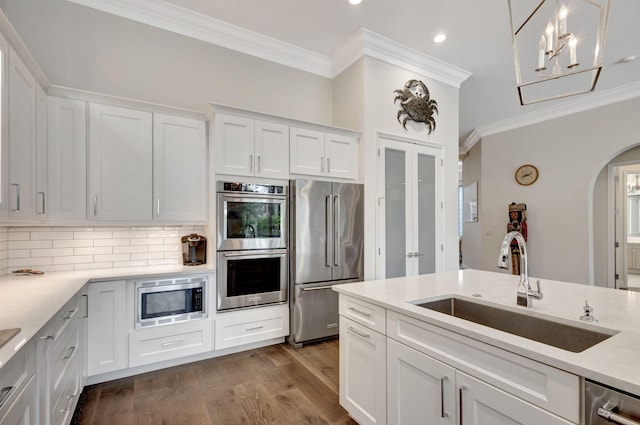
point(234, 138)
point(120, 164)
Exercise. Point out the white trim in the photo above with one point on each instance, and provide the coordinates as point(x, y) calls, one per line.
point(578, 104)
point(368, 43)
point(192, 24)
point(170, 17)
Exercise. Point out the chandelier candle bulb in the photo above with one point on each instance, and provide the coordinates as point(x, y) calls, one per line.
point(562, 15)
point(541, 52)
point(549, 38)
point(573, 42)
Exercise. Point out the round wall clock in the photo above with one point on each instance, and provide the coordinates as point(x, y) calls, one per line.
point(526, 174)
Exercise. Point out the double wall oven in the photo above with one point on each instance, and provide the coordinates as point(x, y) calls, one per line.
point(252, 266)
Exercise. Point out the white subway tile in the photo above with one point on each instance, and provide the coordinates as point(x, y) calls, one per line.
point(147, 241)
point(4, 245)
point(73, 259)
point(30, 244)
point(173, 254)
point(51, 235)
point(56, 268)
point(89, 266)
point(163, 262)
point(73, 229)
point(112, 242)
point(130, 234)
point(163, 234)
point(4, 235)
point(147, 228)
point(93, 250)
point(163, 248)
point(30, 229)
point(129, 249)
point(113, 257)
point(147, 256)
point(29, 262)
point(19, 236)
point(137, 263)
point(51, 252)
point(72, 243)
point(92, 235)
point(19, 253)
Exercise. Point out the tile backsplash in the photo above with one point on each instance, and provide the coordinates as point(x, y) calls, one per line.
point(81, 248)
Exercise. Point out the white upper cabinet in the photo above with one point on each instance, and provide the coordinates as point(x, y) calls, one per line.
point(179, 169)
point(22, 140)
point(318, 153)
point(4, 135)
point(248, 147)
point(67, 154)
point(120, 164)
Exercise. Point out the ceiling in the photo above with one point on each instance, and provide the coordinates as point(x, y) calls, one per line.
point(478, 41)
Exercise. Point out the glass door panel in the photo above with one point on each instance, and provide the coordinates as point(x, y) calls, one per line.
point(395, 195)
point(425, 222)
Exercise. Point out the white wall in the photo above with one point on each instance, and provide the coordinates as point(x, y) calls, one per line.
point(86, 49)
point(570, 152)
point(472, 232)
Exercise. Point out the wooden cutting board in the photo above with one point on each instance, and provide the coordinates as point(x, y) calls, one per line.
point(7, 334)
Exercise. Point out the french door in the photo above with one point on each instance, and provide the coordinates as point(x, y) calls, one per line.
point(410, 208)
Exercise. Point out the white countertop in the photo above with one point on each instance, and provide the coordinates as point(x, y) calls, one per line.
point(615, 361)
point(29, 302)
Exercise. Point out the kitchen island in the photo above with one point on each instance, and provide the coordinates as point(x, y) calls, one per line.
point(388, 308)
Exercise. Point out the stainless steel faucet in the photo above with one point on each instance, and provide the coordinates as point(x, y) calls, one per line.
point(525, 293)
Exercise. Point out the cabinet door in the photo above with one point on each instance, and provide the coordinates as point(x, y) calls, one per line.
point(482, 404)
point(67, 152)
point(120, 163)
point(306, 152)
point(179, 169)
point(271, 147)
point(363, 373)
point(4, 134)
point(342, 156)
point(410, 209)
point(22, 139)
point(41, 153)
point(421, 390)
point(234, 150)
point(24, 409)
point(107, 331)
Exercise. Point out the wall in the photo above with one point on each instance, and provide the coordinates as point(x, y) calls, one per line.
point(570, 152)
point(85, 49)
point(81, 248)
point(377, 80)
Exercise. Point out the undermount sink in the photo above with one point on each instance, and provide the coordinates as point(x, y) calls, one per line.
point(546, 331)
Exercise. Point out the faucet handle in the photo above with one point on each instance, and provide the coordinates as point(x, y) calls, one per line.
point(537, 294)
point(588, 313)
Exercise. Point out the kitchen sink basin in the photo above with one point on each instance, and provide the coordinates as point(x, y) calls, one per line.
point(571, 338)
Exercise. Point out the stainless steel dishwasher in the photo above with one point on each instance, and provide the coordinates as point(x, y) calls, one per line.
point(605, 405)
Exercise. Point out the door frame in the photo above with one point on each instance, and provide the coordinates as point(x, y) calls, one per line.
point(384, 140)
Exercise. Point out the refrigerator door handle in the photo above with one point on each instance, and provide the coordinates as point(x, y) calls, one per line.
point(328, 231)
point(336, 230)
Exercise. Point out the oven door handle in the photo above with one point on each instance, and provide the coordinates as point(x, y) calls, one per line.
point(253, 254)
point(606, 412)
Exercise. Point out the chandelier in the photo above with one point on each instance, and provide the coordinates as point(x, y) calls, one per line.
point(558, 47)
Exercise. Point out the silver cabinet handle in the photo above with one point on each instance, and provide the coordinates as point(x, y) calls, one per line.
point(410, 254)
point(317, 288)
point(255, 328)
point(359, 333)
point(17, 186)
point(46, 337)
point(362, 313)
point(460, 405)
point(322, 164)
point(259, 165)
point(71, 351)
point(443, 414)
point(417, 254)
point(86, 306)
point(251, 163)
point(69, 404)
point(328, 165)
point(606, 412)
point(158, 207)
point(95, 205)
point(69, 314)
point(170, 343)
point(42, 204)
point(5, 393)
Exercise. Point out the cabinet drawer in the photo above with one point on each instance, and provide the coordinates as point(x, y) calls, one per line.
point(170, 342)
point(65, 405)
point(362, 312)
point(547, 387)
point(65, 362)
point(15, 375)
point(62, 319)
point(233, 329)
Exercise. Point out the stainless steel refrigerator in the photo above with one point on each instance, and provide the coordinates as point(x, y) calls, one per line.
point(326, 249)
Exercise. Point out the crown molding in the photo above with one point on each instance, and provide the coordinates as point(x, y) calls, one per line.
point(170, 17)
point(368, 43)
point(578, 104)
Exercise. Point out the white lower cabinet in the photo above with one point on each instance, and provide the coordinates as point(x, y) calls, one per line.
point(19, 388)
point(435, 376)
point(107, 333)
point(363, 380)
point(23, 410)
point(253, 325)
point(170, 342)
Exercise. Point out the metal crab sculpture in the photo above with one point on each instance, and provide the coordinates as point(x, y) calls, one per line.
point(416, 105)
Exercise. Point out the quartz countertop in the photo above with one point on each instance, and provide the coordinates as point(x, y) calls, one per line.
point(29, 302)
point(613, 362)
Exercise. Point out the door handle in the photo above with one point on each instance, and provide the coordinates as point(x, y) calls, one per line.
point(42, 197)
point(443, 414)
point(410, 254)
point(259, 170)
point(95, 205)
point(251, 163)
point(359, 333)
point(317, 288)
point(328, 165)
point(606, 412)
point(336, 230)
point(17, 186)
point(327, 253)
point(322, 164)
point(460, 405)
point(158, 207)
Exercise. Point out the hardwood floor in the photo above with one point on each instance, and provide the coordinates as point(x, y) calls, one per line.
point(276, 385)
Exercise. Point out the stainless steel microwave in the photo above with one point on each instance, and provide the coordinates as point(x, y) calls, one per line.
point(169, 301)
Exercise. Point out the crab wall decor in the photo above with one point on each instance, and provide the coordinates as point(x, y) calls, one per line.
point(415, 105)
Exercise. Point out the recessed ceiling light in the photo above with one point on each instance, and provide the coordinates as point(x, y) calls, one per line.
point(439, 38)
point(628, 59)
point(354, 2)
